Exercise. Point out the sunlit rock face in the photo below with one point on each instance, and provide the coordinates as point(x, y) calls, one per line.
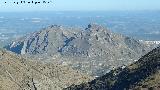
point(94, 50)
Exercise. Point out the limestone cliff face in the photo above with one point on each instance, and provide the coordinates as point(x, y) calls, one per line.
point(18, 73)
point(94, 50)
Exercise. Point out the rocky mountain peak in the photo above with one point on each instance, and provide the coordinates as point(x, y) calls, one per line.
point(94, 50)
point(94, 27)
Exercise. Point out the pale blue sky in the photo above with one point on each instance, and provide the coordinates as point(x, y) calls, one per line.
point(82, 5)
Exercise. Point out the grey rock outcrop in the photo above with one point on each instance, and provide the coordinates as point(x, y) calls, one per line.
point(94, 50)
point(141, 75)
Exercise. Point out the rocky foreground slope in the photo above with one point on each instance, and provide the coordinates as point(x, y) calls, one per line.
point(94, 50)
point(141, 75)
point(17, 73)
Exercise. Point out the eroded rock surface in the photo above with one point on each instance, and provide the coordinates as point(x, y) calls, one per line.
point(17, 73)
point(93, 50)
point(141, 75)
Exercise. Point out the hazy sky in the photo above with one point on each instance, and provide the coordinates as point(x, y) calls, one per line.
point(81, 5)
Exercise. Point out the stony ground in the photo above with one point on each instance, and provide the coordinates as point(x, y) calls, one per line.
point(141, 75)
point(17, 73)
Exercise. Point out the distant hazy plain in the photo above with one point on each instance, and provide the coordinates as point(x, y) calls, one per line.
point(143, 25)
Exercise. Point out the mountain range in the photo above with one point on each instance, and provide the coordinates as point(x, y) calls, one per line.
point(94, 50)
point(71, 58)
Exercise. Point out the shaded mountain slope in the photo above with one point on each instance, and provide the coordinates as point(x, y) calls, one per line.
point(94, 50)
point(17, 73)
point(143, 74)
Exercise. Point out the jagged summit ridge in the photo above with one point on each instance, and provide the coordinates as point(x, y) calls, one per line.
point(93, 50)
